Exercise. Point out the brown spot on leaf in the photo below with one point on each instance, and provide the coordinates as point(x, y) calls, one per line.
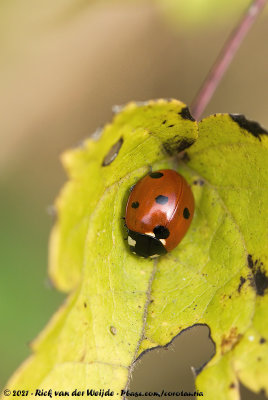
point(185, 114)
point(230, 340)
point(259, 280)
point(242, 281)
point(82, 358)
point(113, 330)
point(185, 157)
point(232, 385)
point(250, 261)
point(177, 144)
point(250, 126)
point(199, 182)
point(262, 340)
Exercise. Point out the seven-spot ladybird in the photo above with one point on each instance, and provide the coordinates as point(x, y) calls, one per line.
point(159, 212)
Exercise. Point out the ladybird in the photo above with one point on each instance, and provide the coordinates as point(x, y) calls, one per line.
point(159, 212)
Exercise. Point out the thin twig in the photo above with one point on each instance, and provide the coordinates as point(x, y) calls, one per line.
point(225, 57)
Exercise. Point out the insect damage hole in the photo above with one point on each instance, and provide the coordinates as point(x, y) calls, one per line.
point(167, 368)
point(112, 153)
point(247, 394)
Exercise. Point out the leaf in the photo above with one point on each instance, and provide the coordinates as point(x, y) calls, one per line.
point(93, 340)
point(193, 13)
point(121, 305)
point(231, 157)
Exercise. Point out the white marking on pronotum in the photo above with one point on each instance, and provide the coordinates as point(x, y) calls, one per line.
point(163, 241)
point(131, 241)
point(150, 234)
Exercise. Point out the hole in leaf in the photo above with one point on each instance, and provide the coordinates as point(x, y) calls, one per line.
point(169, 368)
point(112, 153)
point(247, 394)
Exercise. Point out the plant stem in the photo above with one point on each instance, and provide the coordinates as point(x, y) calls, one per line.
point(225, 57)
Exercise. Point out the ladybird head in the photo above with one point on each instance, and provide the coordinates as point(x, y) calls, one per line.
point(145, 245)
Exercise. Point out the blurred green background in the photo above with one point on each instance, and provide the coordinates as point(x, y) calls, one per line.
point(63, 66)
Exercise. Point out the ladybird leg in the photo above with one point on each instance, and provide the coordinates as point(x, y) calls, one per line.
point(124, 219)
point(150, 168)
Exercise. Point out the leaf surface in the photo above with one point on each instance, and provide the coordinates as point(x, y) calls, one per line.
point(121, 305)
point(231, 157)
point(193, 13)
point(94, 339)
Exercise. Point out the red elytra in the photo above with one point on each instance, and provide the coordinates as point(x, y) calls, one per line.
point(159, 212)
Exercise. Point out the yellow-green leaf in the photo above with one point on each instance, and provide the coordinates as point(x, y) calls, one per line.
point(202, 12)
point(95, 337)
point(121, 305)
point(231, 158)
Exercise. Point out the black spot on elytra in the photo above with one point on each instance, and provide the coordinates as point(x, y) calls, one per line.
point(242, 281)
point(251, 126)
point(262, 340)
point(259, 279)
point(135, 204)
point(156, 175)
point(185, 113)
point(186, 213)
point(112, 153)
point(177, 144)
point(161, 199)
point(161, 232)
